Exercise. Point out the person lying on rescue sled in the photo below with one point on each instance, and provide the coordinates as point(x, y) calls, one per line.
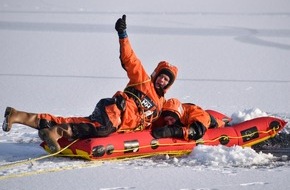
point(133, 109)
point(183, 120)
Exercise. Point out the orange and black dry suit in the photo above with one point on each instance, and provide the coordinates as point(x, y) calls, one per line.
point(191, 121)
point(133, 109)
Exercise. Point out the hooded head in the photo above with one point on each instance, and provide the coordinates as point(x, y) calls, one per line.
point(165, 68)
point(172, 107)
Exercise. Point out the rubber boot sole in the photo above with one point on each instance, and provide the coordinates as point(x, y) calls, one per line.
point(52, 144)
point(5, 125)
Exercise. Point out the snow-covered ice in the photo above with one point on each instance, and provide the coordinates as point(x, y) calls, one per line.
point(61, 57)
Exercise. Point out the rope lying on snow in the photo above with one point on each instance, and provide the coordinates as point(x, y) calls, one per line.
point(272, 133)
point(29, 160)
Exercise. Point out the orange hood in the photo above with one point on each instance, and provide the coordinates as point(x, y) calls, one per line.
point(173, 105)
point(165, 66)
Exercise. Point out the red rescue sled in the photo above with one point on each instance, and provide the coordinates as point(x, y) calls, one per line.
point(142, 144)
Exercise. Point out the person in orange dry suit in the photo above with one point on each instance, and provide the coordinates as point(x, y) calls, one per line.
point(133, 109)
point(183, 120)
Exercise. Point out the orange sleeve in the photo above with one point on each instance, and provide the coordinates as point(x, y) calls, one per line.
point(196, 113)
point(131, 63)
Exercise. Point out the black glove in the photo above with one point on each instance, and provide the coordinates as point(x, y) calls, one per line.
point(196, 130)
point(120, 102)
point(121, 26)
point(167, 132)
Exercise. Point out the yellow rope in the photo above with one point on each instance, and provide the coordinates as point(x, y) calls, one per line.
point(136, 84)
point(141, 126)
point(87, 164)
point(138, 156)
point(37, 158)
point(56, 169)
point(243, 136)
point(200, 141)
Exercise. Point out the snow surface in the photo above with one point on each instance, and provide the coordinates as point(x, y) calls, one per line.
point(61, 57)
